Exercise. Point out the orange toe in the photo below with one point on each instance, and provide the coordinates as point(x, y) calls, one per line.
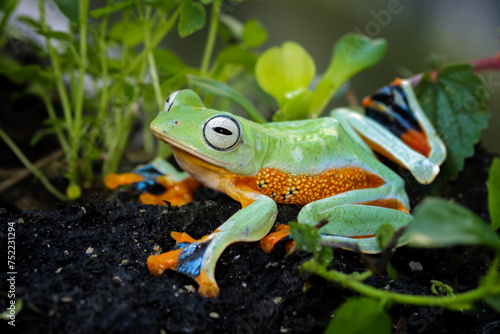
point(113, 181)
point(207, 287)
point(157, 264)
point(267, 243)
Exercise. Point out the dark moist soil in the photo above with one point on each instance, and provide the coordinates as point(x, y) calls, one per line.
point(82, 269)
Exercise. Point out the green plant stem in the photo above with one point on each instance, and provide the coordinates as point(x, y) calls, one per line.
point(104, 97)
point(35, 171)
point(53, 117)
point(212, 34)
point(454, 302)
point(11, 5)
point(152, 63)
point(157, 38)
point(63, 95)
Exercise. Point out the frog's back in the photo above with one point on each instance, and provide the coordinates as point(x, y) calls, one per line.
point(311, 160)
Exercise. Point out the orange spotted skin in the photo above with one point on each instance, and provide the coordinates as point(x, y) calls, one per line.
point(303, 189)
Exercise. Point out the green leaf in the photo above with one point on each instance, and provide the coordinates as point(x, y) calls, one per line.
point(192, 18)
point(454, 102)
point(222, 90)
point(111, 8)
point(30, 22)
point(283, 71)
point(438, 223)
point(254, 33)
point(383, 235)
point(233, 25)
point(295, 108)
point(494, 194)
point(59, 35)
point(130, 33)
point(360, 316)
point(306, 237)
point(351, 54)
point(26, 73)
point(167, 61)
point(163, 5)
point(70, 9)
point(235, 54)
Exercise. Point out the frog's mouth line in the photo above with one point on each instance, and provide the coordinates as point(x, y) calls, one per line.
point(189, 150)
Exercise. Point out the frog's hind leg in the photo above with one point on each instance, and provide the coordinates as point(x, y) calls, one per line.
point(354, 216)
point(395, 126)
point(197, 258)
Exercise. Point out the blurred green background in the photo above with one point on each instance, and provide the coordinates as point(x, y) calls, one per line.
point(458, 30)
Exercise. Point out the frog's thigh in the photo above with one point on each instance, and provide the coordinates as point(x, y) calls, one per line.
point(252, 223)
point(421, 167)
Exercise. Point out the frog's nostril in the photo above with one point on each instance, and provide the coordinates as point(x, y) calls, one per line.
point(177, 123)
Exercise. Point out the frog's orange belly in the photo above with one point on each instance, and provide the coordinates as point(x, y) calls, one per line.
point(301, 189)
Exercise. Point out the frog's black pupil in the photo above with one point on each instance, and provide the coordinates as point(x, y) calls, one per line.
point(222, 131)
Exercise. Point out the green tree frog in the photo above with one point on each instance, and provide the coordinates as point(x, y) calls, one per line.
point(325, 164)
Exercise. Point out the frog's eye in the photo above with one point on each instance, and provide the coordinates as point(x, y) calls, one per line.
point(169, 101)
point(222, 133)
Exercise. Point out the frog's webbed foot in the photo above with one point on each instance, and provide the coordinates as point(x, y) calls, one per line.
point(198, 258)
point(282, 233)
point(156, 184)
point(187, 257)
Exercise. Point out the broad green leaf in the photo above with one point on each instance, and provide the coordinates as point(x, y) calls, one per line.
point(254, 33)
point(111, 8)
point(130, 33)
point(70, 9)
point(351, 54)
point(494, 194)
point(360, 316)
point(438, 223)
point(306, 237)
point(454, 102)
point(192, 18)
point(284, 71)
point(222, 90)
point(59, 35)
point(206, 2)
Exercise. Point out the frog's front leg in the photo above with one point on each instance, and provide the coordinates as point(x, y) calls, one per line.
point(197, 258)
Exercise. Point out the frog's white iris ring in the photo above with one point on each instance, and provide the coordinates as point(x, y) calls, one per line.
point(169, 101)
point(222, 133)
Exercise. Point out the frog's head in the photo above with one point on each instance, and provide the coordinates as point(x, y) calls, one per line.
point(216, 137)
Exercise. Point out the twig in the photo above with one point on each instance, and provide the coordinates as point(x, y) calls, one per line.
point(23, 173)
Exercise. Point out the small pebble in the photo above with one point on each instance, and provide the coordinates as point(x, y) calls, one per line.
point(415, 266)
point(278, 300)
point(214, 315)
point(58, 271)
point(66, 299)
point(190, 288)
point(283, 330)
point(117, 279)
point(89, 250)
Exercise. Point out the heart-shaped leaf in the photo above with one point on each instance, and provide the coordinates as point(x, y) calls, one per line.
point(285, 71)
point(454, 101)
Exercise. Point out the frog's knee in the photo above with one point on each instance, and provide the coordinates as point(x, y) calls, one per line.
point(424, 170)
